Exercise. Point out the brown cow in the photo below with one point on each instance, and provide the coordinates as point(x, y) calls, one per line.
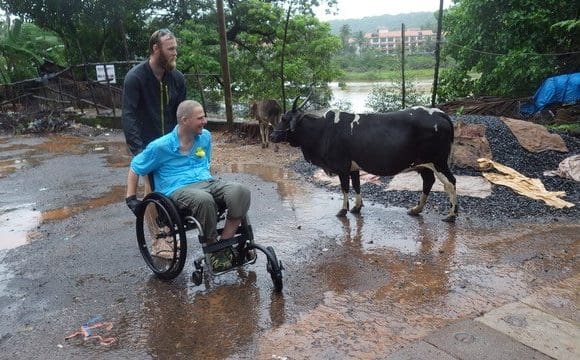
point(268, 113)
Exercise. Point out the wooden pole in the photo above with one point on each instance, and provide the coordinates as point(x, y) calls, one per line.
point(109, 90)
point(437, 54)
point(283, 55)
point(224, 64)
point(403, 65)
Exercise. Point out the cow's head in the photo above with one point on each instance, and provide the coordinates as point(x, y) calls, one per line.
point(289, 121)
point(285, 129)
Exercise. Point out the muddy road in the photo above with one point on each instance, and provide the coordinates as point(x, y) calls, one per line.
point(360, 288)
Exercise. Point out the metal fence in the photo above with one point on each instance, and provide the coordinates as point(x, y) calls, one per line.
point(93, 88)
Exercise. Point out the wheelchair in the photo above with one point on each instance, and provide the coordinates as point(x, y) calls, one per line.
point(161, 225)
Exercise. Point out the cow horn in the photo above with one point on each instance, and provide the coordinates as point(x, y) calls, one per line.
point(307, 97)
point(294, 108)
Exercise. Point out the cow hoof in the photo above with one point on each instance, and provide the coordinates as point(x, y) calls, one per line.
point(263, 146)
point(450, 218)
point(341, 213)
point(356, 210)
point(413, 212)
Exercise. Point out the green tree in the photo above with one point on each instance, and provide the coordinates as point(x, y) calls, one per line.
point(174, 14)
point(91, 30)
point(23, 48)
point(387, 98)
point(255, 33)
point(101, 30)
point(514, 45)
point(345, 34)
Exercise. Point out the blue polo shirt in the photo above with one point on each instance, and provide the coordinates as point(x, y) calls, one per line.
point(171, 169)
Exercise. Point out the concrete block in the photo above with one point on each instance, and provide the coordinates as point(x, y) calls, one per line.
point(537, 329)
point(470, 340)
point(559, 299)
point(420, 350)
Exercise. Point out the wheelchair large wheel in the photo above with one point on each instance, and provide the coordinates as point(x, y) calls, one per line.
point(161, 236)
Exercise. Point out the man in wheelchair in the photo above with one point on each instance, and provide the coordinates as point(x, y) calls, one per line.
point(180, 165)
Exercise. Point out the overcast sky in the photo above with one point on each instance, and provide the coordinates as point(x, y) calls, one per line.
point(357, 9)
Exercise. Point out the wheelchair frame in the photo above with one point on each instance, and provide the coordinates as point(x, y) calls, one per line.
point(173, 224)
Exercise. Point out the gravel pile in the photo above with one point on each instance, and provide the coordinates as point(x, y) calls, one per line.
point(504, 203)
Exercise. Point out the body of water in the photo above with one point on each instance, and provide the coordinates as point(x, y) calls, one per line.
point(356, 93)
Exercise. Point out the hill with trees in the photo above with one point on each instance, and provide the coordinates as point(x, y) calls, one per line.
point(424, 20)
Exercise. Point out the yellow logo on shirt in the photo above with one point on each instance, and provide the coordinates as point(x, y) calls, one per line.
point(199, 152)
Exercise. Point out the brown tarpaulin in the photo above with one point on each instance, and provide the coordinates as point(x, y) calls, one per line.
point(534, 137)
point(532, 188)
point(569, 168)
point(469, 145)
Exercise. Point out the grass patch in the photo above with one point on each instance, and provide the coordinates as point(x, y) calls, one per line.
point(572, 127)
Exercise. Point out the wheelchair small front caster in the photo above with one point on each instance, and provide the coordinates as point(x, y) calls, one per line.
point(197, 264)
point(197, 277)
point(274, 267)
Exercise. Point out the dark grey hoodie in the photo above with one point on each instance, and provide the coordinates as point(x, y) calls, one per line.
point(150, 105)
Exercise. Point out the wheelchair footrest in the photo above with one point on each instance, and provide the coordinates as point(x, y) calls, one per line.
point(222, 244)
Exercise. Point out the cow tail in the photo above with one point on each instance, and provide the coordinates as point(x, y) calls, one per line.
point(450, 158)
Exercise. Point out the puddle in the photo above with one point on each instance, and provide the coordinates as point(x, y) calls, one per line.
point(18, 225)
point(314, 215)
point(22, 153)
point(116, 194)
point(284, 179)
point(10, 166)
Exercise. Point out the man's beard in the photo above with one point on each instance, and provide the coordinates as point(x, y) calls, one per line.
point(166, 63)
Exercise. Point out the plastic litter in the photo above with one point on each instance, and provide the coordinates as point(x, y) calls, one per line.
point(88, 332)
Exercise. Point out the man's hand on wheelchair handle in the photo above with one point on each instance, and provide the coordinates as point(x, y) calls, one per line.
point(133, 203)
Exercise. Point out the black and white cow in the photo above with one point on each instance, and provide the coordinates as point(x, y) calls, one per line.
point(416, 139)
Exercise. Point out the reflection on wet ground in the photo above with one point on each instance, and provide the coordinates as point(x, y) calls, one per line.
point(116, 194)
point(284, 178)
point(27, 152)
point(18, 223)
point(357, 287)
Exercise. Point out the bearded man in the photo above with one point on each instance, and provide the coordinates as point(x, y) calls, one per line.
point(152, 91)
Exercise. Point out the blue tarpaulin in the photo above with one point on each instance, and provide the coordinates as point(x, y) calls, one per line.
point(561, 89)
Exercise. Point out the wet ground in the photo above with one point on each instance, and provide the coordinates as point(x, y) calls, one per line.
point(360, 287)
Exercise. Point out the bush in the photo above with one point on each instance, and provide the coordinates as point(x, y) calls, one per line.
point(342, 105)
point(386, 98)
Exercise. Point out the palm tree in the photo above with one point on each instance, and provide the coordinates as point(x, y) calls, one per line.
point(23, 47)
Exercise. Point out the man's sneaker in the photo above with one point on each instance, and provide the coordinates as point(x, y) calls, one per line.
point(221, 260)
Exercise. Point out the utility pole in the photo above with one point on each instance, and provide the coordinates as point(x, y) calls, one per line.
point(403, 66)
point(437, 54)
point(224, 64)
point(282, 57)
